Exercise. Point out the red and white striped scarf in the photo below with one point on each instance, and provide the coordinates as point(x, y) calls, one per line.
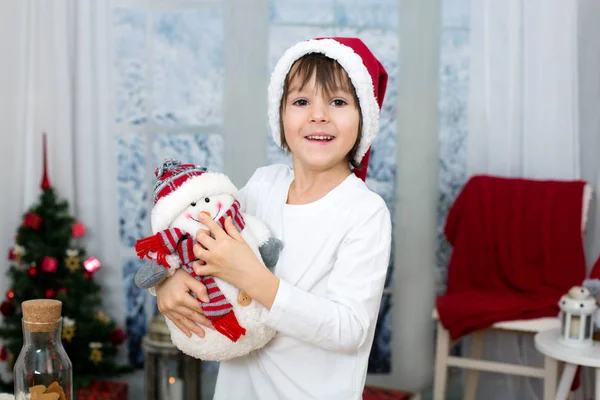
point(218, 310)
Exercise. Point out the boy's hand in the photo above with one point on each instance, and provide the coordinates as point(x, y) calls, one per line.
point(174, 301)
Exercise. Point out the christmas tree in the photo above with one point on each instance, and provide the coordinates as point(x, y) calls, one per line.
point(48, 262)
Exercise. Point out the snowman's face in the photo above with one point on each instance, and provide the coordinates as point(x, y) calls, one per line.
point(213, 206)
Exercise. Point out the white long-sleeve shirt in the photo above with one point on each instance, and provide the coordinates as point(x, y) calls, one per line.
point(332, 270)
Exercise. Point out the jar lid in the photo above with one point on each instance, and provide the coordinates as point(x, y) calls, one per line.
point(41, 315)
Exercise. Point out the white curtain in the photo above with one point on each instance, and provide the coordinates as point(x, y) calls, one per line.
point(525, 119)
point(54, 78)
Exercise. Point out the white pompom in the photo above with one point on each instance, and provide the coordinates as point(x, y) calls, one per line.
point(579, 293)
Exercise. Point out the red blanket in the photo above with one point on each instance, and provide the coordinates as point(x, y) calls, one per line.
point(517, 247)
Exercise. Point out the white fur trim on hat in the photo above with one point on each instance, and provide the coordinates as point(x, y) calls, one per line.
point(168, 207)
point(356, 70)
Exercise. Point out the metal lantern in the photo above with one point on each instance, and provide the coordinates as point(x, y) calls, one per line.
point(170, 374)
point(577, 310)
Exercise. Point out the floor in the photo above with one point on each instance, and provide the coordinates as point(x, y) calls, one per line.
point(136, 386)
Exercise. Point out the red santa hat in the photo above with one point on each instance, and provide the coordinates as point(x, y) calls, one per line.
point(178, 185)
point(366, 73)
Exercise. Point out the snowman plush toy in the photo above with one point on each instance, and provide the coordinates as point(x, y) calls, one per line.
point(182, 192)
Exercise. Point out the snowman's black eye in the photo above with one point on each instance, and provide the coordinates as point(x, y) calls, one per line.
point(207, 200)
point(193, 204)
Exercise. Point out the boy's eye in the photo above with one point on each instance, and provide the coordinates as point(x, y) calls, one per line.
point(300, 102)
point(193, 204)
point(207, 200)
point(339, 102)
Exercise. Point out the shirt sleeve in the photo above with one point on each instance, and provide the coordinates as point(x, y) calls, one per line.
point(343, 318)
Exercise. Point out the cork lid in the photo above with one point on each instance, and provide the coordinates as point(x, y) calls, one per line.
point(41, 315)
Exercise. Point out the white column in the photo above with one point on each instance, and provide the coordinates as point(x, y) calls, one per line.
point(245, 126)
point(417, 193)
point(589, 118)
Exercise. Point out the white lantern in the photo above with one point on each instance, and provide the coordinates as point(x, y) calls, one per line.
point(577, 310)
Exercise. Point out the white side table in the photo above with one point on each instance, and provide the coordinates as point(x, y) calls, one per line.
point(546, 342)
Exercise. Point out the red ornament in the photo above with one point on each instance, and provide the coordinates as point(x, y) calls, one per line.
point(7, 308)
point(3, 353)
point(92, 264)
point(32, 271)
point(11, 254)
point(117, 336)
point(10, 294)
point(45, 181)
point(33, 221)
point(50, 293)
point(78, 229)
point(105, 390)
point(62, 290)
point(49, 264)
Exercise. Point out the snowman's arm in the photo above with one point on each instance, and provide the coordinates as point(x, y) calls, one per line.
point(268, 246)
point(257, 228)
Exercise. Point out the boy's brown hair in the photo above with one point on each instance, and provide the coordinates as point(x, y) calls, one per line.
point(330, 77)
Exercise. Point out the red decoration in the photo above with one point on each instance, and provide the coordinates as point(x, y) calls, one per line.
point(117, 336)
point(50, 293)
point(103, 390)
point(10, 294)
point(32, 271)
point(49, 264)
point(376, 393)
point(78, 229)
point(11, 254)
point(45, 181)
point(92, 264)
point(3, 353)
point(33, 221)
point(88, 275)
point(7, 308)
point(62, 290)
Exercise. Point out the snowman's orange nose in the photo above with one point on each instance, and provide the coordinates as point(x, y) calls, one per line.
point(206, 212)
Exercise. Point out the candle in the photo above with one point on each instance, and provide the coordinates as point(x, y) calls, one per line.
point(175, 389)
point(574, 328)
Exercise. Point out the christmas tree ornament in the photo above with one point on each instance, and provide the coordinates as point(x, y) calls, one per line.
point(62, 290)
point(92, 264)
point(68, 332)
point(182, 193)
point(72, 261)
point(32, 220)
point(117, 337)
point(10, 294)
point(95, 352)
point(45, 181)
point(7, 308)
point(50, 293)
point(72, 252)
point(78, 229)
point(32, 271)
point(3, 353)
point(102, 317)
point(49, 264)
point(16, 253)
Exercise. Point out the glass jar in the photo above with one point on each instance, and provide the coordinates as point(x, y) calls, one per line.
point(43, 366)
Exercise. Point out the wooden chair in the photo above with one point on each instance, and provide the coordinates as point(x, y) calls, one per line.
point(475, 363)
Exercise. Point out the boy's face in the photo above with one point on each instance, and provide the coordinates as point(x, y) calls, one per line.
point(320, 129)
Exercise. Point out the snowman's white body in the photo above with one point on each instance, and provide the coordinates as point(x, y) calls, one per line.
point(215, 346)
